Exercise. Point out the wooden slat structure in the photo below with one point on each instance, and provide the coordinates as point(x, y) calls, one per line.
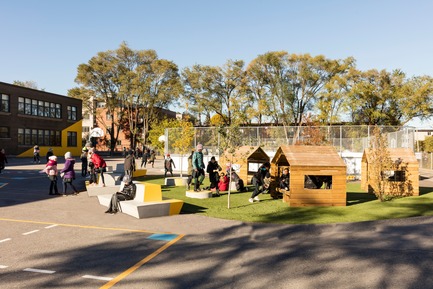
point(247, 158)
point(411, 174)
point(307, 163)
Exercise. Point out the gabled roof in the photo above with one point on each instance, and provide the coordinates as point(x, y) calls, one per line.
point(406, 154)
point(315, 156)
point(248, 152)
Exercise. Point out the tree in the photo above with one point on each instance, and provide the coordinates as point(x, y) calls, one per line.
point(388, 98)
point(28, 83)
point(217, 89)
point(158, 129)
point(183, 140)
point(134, 85)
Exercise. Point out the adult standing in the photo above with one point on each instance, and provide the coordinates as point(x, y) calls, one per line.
point(145, 157)
point(190, 170)
point(152, 157)
point(36, 156)
point(168, 165)
point(3, 159)
point(68, 173)
point(259, 181)
point(212, 169)
point(129, 164)
point(198, 167)
point(99, 164)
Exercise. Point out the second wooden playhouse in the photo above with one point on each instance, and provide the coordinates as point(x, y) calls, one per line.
point(317, 175)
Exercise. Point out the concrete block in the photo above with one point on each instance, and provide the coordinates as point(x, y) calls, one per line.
point(97, 190)
point(142, 210)
point(199, 195)
point(139, 173)
point(176, 181)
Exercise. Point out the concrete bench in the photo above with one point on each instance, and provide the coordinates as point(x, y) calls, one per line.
point(139, 173)
point(176, 181)
point(148, 202)
point(199, 195)
point(112, 183)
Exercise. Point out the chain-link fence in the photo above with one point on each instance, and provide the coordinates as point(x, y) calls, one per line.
point(343, 138)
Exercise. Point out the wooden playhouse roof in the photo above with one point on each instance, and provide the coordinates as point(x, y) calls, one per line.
point(315, 156)
point(406, 154)
point(249, 152)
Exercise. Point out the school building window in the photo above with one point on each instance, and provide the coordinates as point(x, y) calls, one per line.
point(4, 105)
point(45, 137)
point(72, 139)
point(4, 132)
point(39, 108)
point(72, 112)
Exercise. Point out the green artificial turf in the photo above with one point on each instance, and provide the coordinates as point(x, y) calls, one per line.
point(361, 206)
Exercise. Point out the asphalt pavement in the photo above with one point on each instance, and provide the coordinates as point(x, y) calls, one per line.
point(68, 242)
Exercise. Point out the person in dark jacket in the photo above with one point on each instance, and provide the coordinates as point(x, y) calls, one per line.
point(212, 169)
point(84, 162)
point(129, 164)
point(145, 157)
point(3, 159)
point(285, 180)
point(68, 173)
point(198, 167)
point(190, 170)
point(127, 193)
point(259, 181)
point(168, 165)
point(49, 153)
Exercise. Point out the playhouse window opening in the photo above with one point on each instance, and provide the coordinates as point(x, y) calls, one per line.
point(395, 176)
point(317, 182)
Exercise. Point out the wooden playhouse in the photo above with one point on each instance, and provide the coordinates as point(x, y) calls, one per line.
point(246, 160)
point(405, 177)
point(317, 175)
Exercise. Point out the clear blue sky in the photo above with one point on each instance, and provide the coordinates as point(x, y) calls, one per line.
point(45, 41)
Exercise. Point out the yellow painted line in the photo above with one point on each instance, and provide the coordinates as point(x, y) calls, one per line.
point(125, 273)
point(82, 226)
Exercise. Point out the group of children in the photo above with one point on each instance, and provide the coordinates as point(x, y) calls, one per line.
point(67, 174)
point(91, 163)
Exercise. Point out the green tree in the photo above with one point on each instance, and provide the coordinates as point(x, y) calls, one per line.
point(388, 98)
point(428, 144)
point(183, 140)
point(28, 83)
point(134, 85)
point(217, 89)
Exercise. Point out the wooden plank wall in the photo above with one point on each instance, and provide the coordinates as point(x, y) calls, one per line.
point(300, 196)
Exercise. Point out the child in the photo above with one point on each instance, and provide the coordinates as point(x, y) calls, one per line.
point(51, 171)
point(285, 180)
point(223, 184)
point(83, 158)
point(168, 165)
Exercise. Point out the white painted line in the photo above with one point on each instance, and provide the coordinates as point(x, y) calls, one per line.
point(97, 277)
point(4, 240)
point(3, 266)
point(31, 232)
point(52, 226)
point(39, 271)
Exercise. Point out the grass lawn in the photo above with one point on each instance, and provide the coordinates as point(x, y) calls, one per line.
point(360, 207)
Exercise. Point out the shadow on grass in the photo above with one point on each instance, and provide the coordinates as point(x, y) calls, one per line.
point(425, 190)
point(355, 198)
point(189, 208)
